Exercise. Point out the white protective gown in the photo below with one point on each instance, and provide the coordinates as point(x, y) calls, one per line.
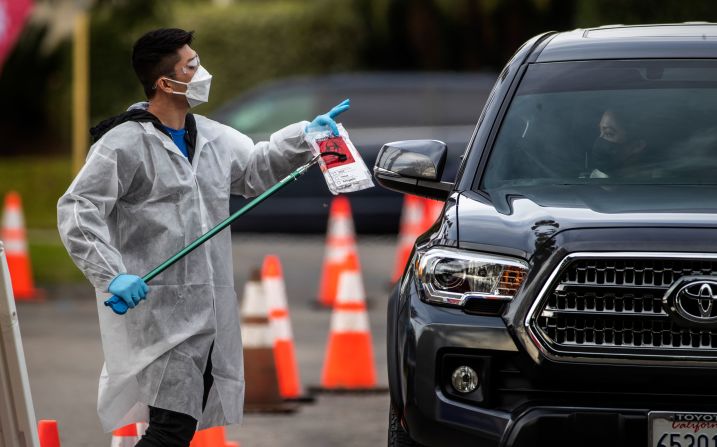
point(136, 202)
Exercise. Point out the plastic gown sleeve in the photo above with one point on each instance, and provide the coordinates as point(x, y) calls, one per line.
point(82, 214)
point(257, 167)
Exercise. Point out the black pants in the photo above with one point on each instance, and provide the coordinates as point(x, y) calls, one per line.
point(171, 429)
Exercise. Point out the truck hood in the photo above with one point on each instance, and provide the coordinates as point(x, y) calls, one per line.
point(520, 222)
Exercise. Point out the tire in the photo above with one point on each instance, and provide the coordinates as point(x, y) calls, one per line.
point(397, 436)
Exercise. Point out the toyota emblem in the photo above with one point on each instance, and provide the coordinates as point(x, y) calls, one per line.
point(692, 300)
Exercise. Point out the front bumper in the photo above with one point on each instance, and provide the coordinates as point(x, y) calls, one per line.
point(522, 402)
point(536, 427)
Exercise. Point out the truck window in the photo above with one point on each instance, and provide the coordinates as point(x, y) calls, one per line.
point(581, 127)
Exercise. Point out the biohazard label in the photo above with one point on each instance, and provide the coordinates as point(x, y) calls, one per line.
point(335, 144)
point(343, 173)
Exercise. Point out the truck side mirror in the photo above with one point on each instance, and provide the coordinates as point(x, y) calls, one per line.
point(413, 167)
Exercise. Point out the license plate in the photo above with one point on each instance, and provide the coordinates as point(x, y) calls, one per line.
point(675, 429)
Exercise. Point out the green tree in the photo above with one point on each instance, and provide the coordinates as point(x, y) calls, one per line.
point(591, 13)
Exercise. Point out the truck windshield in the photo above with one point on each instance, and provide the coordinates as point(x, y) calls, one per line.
point(647, 125)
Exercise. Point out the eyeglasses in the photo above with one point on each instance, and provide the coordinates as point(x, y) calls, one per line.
point(191, 65)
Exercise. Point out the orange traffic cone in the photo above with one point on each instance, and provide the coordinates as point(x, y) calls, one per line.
point(126, 436)
point(349, 364)
point(210, 437)
point(14, 237)
point(412, 222)
point(261, 384)
point(431, 210)
point(340, 240)
point(48, 434)
point(284, 355)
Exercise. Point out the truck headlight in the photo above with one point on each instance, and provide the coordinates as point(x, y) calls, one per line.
point(449, 276)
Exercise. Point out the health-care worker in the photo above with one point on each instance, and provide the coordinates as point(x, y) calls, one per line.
point(155, 179)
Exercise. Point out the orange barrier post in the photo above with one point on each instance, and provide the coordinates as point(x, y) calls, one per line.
point(261, 381)
point(48, 433)
point(14, 237)
point(432, 210)
point(349, 364)
point(126, 436)
point(412, 225)
point(340, 240)
point(272, 279)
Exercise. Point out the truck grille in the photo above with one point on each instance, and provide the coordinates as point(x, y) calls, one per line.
point(613, 305)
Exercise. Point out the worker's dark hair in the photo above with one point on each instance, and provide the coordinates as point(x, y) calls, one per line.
point(155, 54)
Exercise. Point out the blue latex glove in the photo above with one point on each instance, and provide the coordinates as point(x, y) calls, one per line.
point(327, 119)
point(130, 288)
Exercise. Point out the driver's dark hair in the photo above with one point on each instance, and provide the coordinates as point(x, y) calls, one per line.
point(155, 54)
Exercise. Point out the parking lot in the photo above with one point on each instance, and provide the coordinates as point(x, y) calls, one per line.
point(64, 355)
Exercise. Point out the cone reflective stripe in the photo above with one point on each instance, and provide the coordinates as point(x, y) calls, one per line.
point(13, 225)
point(260, 376)
point(14, 237)
point(432, 209)
point(412, 221)
point(340, 241)
point(349, 363)
point(255, 329)
point(48, 433)
point(284, 354)
point(126, 436)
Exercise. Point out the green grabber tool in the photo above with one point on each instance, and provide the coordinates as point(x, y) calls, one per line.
point(120, 307)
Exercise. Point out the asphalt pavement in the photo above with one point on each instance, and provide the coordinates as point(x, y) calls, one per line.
point(64, 353)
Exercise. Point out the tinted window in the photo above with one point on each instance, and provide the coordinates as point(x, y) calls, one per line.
point(608, 123)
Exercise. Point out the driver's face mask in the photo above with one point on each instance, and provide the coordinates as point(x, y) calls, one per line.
point(197, 88)
point(606, 153)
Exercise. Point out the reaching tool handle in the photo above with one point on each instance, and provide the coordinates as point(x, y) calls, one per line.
point(118, 305)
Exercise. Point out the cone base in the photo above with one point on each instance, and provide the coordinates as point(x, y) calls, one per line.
point(262, 387)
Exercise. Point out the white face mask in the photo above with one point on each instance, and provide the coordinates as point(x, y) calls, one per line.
point(197, 87)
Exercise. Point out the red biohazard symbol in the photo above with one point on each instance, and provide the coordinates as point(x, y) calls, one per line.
point(335, 144)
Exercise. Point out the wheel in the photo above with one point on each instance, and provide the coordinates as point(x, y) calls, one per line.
point(397, 436)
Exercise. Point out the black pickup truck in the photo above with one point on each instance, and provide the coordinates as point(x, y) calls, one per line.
point(567, 296)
